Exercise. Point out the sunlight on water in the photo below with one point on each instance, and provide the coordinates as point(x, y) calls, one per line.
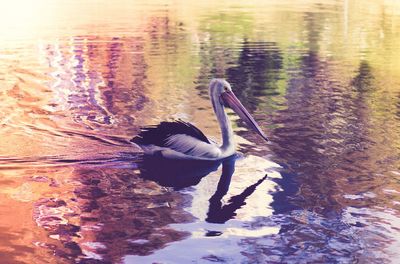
point(79, 79)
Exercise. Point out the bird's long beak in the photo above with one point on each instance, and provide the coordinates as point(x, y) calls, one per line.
point(233, 102)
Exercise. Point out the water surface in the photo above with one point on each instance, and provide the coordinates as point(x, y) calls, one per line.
point(78, 80)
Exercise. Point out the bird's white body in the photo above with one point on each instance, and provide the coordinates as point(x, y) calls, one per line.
point(182, 146)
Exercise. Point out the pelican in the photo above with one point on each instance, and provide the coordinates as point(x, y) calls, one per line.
point(182, 140)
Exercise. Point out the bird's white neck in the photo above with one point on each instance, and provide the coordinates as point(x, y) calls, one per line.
point(228, 144)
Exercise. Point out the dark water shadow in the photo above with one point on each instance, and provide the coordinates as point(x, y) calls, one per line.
point(176, 173)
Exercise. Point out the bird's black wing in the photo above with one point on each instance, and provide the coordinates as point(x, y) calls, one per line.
point(158, 134)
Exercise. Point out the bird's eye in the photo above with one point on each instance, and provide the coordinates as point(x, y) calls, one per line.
point(226, 89)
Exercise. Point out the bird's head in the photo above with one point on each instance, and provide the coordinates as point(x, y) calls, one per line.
point(221, 90)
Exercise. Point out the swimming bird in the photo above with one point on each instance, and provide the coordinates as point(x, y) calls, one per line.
point(182, 140)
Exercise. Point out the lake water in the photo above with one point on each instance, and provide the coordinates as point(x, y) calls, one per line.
point(79, 78)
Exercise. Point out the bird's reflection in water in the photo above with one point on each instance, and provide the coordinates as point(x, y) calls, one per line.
point(184, 173)
point(219, 212)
